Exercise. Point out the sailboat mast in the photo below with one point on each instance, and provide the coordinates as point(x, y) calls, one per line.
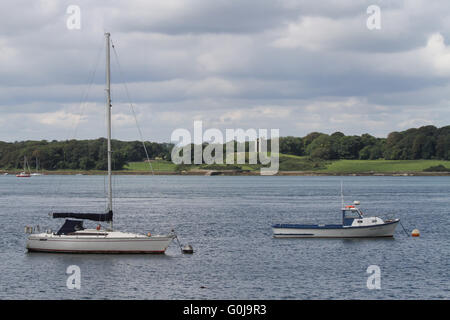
point(108, 112)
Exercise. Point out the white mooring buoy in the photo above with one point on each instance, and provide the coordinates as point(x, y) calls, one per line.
point(415, 233)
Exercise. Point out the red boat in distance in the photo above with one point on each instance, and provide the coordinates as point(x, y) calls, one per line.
point(24, 173)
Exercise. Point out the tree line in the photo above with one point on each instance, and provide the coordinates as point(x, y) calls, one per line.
point(78, 154)
point(427, 142)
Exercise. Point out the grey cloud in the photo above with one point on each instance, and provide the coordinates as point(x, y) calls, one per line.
point(218, 60)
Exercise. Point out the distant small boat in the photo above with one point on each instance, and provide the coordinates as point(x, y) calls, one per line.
point(37, 173)
point(24, 173)
point(354, 225)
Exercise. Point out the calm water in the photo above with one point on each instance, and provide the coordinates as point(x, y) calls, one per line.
point(227, 220)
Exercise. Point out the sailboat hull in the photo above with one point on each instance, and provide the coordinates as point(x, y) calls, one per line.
point(97, 243)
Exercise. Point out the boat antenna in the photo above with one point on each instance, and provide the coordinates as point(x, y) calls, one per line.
point(108, 110)
point(342, 195)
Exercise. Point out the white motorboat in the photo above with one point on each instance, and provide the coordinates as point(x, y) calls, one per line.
point(354, 225)
point(72, 237)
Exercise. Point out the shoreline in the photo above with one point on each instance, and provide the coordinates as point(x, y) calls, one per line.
point(237, 173)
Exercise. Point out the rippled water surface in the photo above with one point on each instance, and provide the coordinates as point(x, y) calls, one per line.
point(228, 222)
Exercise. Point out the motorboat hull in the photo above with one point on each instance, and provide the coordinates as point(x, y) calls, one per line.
point(97, 244)
point(334, 231)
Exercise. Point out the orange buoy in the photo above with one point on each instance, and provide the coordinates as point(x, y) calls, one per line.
point(98, 227)
point(415, 233)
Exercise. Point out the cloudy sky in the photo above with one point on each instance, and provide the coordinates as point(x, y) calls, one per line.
point(299, 66)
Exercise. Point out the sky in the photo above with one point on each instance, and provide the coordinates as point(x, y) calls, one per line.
point(293, 65)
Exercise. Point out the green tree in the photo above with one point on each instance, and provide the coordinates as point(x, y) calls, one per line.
point(291, 145)
point(322, 148)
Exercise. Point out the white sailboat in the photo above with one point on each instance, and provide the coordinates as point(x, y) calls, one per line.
point(72, 237)
point(37, 173)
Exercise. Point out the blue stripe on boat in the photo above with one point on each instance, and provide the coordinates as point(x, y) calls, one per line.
point(308, 226)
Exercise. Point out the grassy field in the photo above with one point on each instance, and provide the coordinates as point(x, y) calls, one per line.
point(287, 163)
point(359, 166)
point(296, 163)
point(159, 165)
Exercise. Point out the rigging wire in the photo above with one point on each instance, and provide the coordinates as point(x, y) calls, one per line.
point(28, 165)
point(131, 105)
point(114, 179)
point(122, 75)
point(82, 107)
point(86, 95)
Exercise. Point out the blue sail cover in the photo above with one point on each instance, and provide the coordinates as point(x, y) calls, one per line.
point(86, 216)
point(70, 226)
